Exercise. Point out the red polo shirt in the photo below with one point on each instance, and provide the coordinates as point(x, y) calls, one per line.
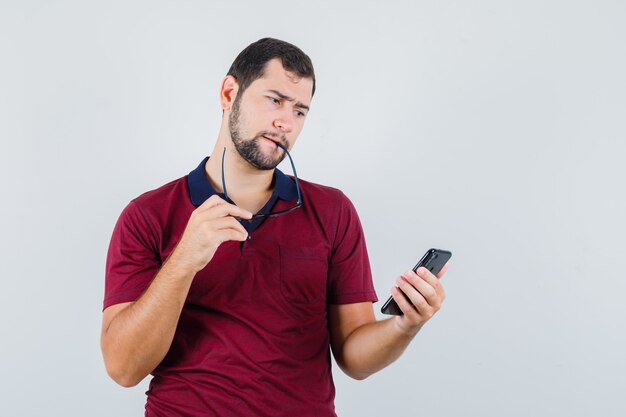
point(252, 339)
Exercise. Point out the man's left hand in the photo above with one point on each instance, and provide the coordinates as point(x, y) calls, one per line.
point(426, 293)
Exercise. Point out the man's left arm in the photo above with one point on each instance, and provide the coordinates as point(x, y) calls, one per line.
point(362, 346)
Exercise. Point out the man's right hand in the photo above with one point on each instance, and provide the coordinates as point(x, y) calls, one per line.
point(137, 335)
point(211, 224)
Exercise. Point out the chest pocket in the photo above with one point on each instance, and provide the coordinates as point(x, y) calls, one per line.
point(303, 274)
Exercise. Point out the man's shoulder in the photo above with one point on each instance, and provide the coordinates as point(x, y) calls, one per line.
point(320, 190)
point(172, 193)
point(323, 194)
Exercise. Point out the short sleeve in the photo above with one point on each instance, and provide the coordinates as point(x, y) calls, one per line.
point(350, 275)
point(132, 260)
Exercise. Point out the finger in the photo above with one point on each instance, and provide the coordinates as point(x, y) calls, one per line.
point(227, 209)
point(432, 280)
point(407, 308)
point(423, 272)
point(423, 287)
point(225, 223)
point(415, 297)
point(232, 234)
point(212, 201)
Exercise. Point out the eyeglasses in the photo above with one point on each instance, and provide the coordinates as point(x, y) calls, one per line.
point(275, 213)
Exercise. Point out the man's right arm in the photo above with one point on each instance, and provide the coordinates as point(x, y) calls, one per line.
point(136, 336)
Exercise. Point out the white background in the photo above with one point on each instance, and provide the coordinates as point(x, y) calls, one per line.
point(495, 129)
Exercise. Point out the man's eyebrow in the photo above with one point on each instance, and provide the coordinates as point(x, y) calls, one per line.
point(284, 97)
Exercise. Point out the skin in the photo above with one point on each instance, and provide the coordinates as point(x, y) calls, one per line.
point(137, 335)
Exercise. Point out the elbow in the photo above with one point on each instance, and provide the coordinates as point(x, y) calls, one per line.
point(122, 371)
point(121, 368)
point(356, 374)
point(359, 376)
point(127, 381)
point(123, 377)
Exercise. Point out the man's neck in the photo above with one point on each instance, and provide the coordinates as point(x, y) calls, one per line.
point(249, 187)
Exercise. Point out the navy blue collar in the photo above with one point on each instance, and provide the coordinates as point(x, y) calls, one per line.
point(200, 188)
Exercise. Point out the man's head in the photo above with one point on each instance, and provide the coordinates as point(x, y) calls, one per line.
point(267, 93)
point(250, 63)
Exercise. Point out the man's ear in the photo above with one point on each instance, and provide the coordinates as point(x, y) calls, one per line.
point(228, 92)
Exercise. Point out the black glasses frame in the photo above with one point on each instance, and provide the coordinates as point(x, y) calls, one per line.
point(275, 213)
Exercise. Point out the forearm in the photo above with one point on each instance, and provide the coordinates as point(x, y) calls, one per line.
point(139, 336)
point(372, 347)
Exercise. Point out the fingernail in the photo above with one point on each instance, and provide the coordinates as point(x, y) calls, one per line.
point(399, 281)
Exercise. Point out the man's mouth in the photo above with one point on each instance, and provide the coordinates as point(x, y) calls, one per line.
point(274, 141)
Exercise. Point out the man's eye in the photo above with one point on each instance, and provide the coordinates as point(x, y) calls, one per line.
point(274, 100)
point(300, 114)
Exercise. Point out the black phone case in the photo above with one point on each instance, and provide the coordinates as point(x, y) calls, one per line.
point(433, 260)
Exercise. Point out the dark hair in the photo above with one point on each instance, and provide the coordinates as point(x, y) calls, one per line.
point(250, 63)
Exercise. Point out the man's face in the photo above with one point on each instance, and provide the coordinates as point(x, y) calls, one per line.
point(272, 109)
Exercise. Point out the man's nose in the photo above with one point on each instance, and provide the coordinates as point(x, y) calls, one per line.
point(284, 121)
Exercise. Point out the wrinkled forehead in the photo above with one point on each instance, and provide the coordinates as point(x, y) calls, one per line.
point(276, 77)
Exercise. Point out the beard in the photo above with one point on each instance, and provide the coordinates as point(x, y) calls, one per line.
point(250, 149)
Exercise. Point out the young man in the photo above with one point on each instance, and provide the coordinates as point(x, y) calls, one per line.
point(235, 314)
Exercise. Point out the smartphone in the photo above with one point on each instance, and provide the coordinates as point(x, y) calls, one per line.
point(433, 260)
